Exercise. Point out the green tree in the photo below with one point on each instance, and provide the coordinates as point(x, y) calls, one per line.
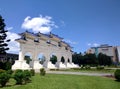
point(53, 59)
point(3, 43)
point(90, 59)
point(104, 59)
point(3, 35)
point(28, 59)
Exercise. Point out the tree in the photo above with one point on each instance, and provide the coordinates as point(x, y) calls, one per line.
point(104, 59)
point(3, 42)
point(3, 35)
point(53, 59)
point(90, 59)
point(78, 58)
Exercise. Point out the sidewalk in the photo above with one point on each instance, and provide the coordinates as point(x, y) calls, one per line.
point(80, 73)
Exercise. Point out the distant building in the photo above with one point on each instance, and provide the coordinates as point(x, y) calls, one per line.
point(112, 51)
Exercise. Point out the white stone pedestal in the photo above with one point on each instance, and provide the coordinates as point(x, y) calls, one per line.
point(49, 65)
point(36, 65)
point(61, 65)
point(20, 65)
point(69, 65)
point(75, 65)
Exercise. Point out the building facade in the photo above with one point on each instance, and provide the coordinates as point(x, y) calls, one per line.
point(111, 51)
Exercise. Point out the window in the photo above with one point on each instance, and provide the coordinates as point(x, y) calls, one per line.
point(36, 40)
point(59, 44)
point(48, 41)
point(66, 48)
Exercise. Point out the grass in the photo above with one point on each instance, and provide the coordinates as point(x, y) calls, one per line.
point(56, 81)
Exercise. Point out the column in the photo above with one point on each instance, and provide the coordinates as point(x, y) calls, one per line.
point(21, 56)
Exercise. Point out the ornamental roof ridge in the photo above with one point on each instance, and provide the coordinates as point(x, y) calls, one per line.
point(55, 35)
point(36, 34)
point(67, 44)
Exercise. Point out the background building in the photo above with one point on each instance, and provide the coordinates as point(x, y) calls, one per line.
point(112, 51)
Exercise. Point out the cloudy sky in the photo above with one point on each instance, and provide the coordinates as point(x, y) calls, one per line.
point(82, 23)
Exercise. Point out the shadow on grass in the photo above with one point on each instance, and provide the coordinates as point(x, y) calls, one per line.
point(117, 80)
point(10, 85)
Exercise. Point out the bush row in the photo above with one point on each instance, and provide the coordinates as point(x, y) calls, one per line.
point(21, 76)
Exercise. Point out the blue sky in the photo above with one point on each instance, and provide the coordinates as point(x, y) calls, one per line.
point(82, 23)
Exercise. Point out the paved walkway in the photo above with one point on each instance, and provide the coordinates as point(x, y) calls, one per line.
point(80, 73)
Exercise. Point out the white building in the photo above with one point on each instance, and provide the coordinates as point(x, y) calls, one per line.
point(45, 45)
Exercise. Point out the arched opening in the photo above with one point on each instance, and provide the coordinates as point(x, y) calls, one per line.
point(62, 59)
point(28, 57)
point(53, 58)
point(41, 58)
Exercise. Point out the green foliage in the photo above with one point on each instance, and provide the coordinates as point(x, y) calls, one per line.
point(6, 65)
point(53, 59)
point(27, 76)
point(87, 67)
point(2, 71)
point(4, 78)
point(42, 72)
point(19, 76)
point(9, 72)
point(62, 81)
point(104, 59)
point(32, 72)
point(28, 59)
point(91, 59)
point(117, 74)
point(100, 67)
point(3, 41)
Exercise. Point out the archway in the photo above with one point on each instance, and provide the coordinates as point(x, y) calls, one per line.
point(62, 59)
point(28, 57)
point(41, 58)
point(53, 58)
point(68, 60)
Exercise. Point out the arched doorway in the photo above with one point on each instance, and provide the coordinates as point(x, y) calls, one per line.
point(53, 58)
point(41, 58)
point(62, 59)
point(28, 57)
point(68, 60)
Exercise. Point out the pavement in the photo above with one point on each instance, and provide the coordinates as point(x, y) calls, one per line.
point(80, 73)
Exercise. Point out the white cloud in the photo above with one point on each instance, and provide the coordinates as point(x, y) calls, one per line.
point(96, 44)
point(93, 44)
point(9, 28)
point(39, 24)
point(89, 44)
point(13, 45)
point(70, 42)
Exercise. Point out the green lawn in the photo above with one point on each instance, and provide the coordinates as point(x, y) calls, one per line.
point(54, 81)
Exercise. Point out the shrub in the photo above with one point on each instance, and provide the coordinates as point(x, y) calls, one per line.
point(32, 72)
point(100, 67)
point(42, 72)
point(27, 76)
point(19, 76)
point(87, 67)
point(1, 71)
point(4, 78)
point(9, 71)
point(117, 74)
